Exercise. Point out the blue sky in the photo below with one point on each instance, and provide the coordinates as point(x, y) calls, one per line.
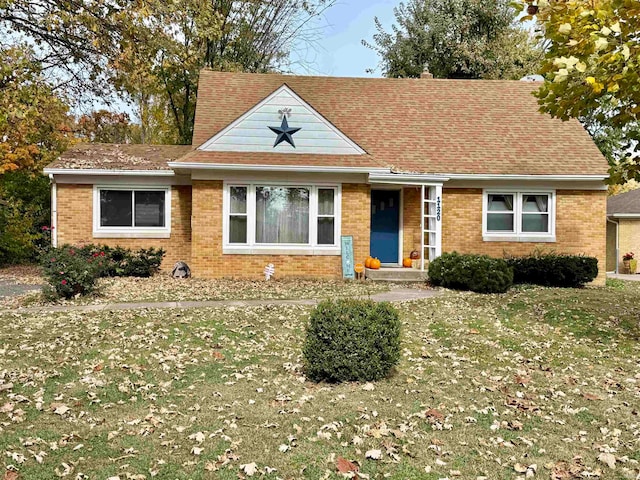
point(339, 50)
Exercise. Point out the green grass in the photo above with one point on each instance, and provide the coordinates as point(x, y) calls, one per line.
point(537, 375)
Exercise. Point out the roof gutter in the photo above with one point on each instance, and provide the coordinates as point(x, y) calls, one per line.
point(274, 168)
point(96, 171)
point(560, 178)
point(623, 215)
point(54, 211)
point(407, 179)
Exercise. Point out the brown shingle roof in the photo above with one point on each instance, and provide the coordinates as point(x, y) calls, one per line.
point(281, 159)
point(111, 156)
point(413, 125)
point(625, 203)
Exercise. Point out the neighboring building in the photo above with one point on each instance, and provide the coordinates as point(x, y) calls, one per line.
point(282, 166)
point(623, 228)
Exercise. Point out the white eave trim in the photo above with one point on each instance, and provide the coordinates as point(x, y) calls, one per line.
point(96, 171)
point(407, 179)
point(275, 168)
point(561, 178)
point(624, 215)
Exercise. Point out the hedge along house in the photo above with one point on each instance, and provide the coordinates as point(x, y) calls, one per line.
point(282, 166)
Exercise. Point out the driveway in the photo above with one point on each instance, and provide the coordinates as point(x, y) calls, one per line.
point(620, 276)
point(12, 289)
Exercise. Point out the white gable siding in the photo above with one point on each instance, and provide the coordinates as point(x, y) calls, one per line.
point(251, 133)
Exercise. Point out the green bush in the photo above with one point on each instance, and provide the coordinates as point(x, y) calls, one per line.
point(478, 273)
point(554, 270)
point(74, 270)
point(351, 340)
point(25, 215)
point(123, 262)
point(69, 272)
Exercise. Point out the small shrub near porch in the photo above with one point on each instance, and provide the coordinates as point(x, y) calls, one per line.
point(352, 340)
point(478, 273)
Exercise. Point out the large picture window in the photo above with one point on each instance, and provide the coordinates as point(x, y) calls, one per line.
point(123, 211)
point(263, 217)
point(519, 216)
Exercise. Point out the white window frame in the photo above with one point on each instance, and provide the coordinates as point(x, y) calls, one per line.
point(254, 248)
point(100, 231)
point(518, 235)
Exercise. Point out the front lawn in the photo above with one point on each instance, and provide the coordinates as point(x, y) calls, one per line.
point(163, 288)
point(538, 380)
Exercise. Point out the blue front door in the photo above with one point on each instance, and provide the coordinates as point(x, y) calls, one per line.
point(385, 225)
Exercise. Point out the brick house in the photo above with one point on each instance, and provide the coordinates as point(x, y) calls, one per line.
point(623, 228)
point(282, 166)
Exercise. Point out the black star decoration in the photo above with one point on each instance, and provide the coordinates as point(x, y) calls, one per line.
point(285, 133)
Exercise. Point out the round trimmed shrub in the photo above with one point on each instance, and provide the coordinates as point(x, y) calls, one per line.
point(351, 340)
point(478, 273)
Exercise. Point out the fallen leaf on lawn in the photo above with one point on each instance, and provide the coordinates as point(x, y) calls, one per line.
point(518, 467)
point(608, 459)
point(98, 367)
point(10, 475)
point(249, 469)
point(591, 396)
point(59, 408)
point(198, 437)
point(345, 466)
point(433, 413)
point(197, 450)
point(373, 454)
point(367, 387)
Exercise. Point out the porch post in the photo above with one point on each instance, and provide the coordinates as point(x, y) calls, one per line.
point(422, 227)
point(438, 245)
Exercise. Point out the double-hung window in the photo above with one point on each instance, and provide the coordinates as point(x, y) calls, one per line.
point(296, 219)
point(132, 212)
point(525, 216)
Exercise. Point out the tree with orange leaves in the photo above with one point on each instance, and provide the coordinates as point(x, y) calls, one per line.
point(34, 120)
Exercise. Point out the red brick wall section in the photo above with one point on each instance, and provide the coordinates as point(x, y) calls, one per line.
point(75, 223)
point(208, 261)
point(580, 226)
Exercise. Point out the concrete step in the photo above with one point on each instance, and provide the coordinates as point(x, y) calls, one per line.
point(395, 274)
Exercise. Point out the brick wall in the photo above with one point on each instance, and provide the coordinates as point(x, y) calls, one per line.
point(208, 261)
point(412, 224)
point(580, 226)
point(75, 223)
point(628, 238)
point(196, 236)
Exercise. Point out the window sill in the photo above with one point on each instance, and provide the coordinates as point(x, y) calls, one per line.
point(288, 251)
point(519, 238)
point(132, 234)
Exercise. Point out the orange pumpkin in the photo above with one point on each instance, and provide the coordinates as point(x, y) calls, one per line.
point(406, 262)
point(375, 264)
point(367, 262)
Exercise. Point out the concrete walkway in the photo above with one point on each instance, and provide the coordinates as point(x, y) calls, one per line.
point(622, 276)
point(396, 295)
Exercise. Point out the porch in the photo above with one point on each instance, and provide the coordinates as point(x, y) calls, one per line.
point(396, 274)
point(406, 219)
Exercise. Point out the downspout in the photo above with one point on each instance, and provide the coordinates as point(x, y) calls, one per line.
point(617, 224)
point(54, 211)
